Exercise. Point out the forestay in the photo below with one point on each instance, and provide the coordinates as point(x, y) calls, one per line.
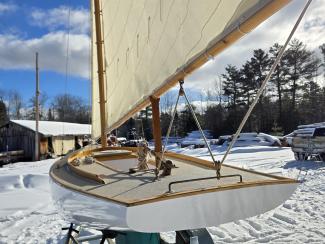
point(150, 44)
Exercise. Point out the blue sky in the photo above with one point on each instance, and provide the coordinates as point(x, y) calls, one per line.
point(25, 29)
point(41, 25)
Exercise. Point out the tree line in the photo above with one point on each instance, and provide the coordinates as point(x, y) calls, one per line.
point(295, 95)
point(63, 107)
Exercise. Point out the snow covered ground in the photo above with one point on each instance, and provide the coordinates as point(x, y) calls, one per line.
point(28, 216)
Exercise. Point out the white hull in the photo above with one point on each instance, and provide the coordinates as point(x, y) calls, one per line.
point(189, 212)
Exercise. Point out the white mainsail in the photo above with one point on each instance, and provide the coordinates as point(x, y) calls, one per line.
point(150, 44)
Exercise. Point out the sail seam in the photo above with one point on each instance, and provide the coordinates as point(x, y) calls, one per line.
point(205, 24)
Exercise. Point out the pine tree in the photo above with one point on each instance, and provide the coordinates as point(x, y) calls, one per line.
point(232, 85)
point(311, 108)
point(145, 120)
point(247, 89)
point(259, 67)
point(214, 119)
point(322, 49)
point(186, 120)
point(279, 77)
point(302, 66)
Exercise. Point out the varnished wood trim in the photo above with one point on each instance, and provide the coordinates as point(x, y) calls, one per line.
point(201, 162)
point(156, 123)
point(169, 196)
point(209, 164)
point(82, 192)
point(115, 157)
point(86, 174)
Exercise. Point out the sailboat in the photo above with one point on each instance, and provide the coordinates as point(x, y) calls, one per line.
point(140, 50)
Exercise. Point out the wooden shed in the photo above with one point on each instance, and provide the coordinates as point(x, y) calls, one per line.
point(55, 138)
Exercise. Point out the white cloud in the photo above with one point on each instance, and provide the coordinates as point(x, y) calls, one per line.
point(276, 29)
point(58, 18)
point(7, 8)
point(17, 53)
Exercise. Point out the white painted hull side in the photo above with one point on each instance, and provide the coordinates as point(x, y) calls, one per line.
point(87, 210)
point(189, 212)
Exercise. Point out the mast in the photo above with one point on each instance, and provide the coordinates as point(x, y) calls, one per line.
point(156, 128)
point(99, 45)
point(36, 112)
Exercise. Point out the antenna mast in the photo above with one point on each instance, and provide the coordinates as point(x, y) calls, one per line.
point(99, 42)
point(37, 112)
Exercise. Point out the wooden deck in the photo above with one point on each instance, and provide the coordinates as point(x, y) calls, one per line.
point(130, 189)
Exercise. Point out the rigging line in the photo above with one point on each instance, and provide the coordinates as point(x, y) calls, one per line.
point(263, 85)
point(66, 77)
point(170, 125)
point(197, 121)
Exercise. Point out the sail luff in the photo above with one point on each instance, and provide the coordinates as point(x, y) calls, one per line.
point(216, 46)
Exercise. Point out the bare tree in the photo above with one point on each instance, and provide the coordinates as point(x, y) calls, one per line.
point(201, 103)
point(42, 101)
point(167, 103)
point(16, 101)
point(218, 89)
point(69, 108)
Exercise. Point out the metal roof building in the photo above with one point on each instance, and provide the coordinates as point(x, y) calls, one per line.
point(55, 138)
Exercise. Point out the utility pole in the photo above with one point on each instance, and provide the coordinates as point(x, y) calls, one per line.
point(37, 112)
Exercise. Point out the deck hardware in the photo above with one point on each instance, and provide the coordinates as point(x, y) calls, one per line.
point(205, 178)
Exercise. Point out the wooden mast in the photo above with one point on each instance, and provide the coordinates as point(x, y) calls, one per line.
point(99, 44)
point(36, 112)
point(156, 124)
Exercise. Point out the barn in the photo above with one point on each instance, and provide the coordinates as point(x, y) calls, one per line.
point(55, 138)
